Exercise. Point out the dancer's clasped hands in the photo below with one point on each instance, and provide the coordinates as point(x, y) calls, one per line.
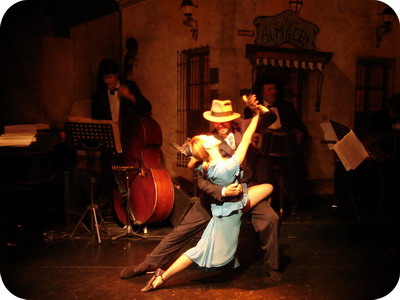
point(252, 102)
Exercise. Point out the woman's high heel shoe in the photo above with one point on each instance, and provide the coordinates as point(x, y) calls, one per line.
point(156, 281)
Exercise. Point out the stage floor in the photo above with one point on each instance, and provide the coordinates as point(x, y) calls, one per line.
point(323, 256)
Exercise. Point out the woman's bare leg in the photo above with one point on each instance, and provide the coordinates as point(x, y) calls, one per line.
point(160, 276)
point(259, 192)
point(179, 265)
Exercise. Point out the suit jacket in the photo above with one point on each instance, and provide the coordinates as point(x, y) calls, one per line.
point(101, 107)
point(213, 191)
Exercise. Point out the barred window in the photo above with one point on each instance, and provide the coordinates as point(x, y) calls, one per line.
point(374, 80)
point(193, 95)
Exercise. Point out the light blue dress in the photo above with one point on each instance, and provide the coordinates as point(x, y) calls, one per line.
point(217, 246)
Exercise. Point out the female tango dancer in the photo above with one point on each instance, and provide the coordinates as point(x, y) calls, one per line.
point(218, 243)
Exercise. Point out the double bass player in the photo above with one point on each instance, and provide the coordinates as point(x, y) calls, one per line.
point(111, 101)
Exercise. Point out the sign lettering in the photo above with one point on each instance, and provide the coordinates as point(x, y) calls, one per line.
point(286, 27)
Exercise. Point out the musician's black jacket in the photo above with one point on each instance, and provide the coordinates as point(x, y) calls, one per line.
point(101, 107)
point(288, 116)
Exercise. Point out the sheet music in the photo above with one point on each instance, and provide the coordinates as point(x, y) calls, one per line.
point(329, 133)
point(20, 135)
point(25, 128)
point(351, 151)
point(17, 140)
point(340, 130)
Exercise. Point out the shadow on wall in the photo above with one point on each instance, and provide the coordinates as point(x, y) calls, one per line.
point(81, 109)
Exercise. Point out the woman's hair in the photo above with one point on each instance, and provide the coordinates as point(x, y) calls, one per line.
point(198, 150)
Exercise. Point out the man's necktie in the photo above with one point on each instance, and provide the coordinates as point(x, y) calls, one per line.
point(112, 91)
point(230, 141)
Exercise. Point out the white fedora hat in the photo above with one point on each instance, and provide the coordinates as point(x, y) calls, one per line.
point(221, 111)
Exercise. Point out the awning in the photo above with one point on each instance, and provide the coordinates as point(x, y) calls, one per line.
point(291, 58)
point(287, 57)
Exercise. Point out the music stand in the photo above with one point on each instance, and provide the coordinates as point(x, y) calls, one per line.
point(92, 135)
point(348, 149)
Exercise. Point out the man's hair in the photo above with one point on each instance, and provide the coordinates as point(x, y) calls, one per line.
point(106, 67)
point(263, 79)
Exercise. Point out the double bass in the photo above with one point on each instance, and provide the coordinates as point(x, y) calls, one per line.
point(151, 192)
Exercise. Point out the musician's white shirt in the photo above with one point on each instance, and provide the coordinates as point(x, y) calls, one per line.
point(277, 124)
point(115, 104)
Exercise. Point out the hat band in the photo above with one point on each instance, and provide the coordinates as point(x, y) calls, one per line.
point(221, 114)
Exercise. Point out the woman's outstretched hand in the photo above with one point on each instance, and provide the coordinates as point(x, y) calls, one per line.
point(252, 103)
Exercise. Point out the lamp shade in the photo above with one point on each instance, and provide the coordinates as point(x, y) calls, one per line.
point(187, 7)
point(388, 15)
point(296, 5)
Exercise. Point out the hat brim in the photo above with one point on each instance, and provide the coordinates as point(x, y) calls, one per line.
point(184, 149)
point(207, 115)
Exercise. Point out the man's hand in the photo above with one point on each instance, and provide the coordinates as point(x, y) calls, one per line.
point(124, 91)
point(233, 189)
point(251, 101)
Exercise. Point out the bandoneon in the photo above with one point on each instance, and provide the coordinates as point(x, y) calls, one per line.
point(277, 143)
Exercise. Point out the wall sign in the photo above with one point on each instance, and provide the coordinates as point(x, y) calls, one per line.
point(286, 27)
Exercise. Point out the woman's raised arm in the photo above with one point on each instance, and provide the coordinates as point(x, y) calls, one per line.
point(246, 138)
